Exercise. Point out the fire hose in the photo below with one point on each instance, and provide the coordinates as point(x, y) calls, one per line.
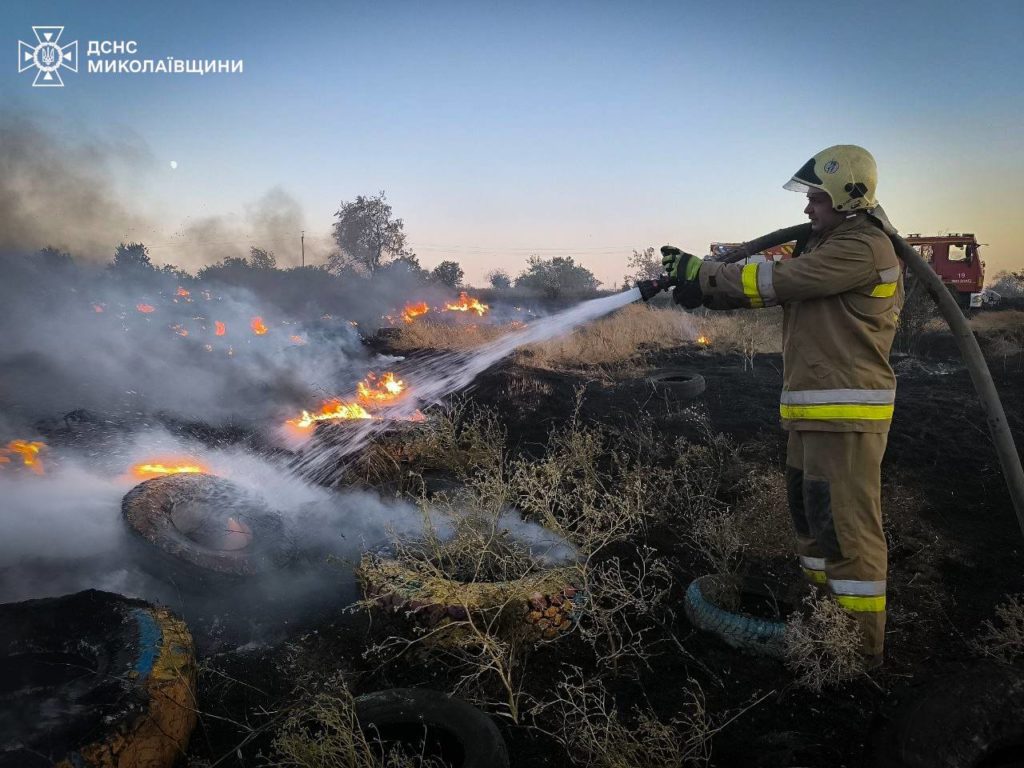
point(970, 351)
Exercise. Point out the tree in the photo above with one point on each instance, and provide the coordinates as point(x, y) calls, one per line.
point(367, 235)
point(642, 265)
point(448, 273)
point(262, 259)
point(132, 255)
point(499, 280)
point(54, 258)
point(557, 277)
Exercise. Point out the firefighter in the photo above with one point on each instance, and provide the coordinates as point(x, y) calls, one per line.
point(840, 298)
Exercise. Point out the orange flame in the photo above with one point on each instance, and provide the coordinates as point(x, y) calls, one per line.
point(257, 326)
point(373, 390)
point(335, 410)
point(29, 452)
point(703, 340)
point(412, 311)
point(145, 308)
point(467, 303)
point(219, 328)
point(97, 308)
point(182, 292)
point(159, 468)
point(297, 340)
point(179, 330)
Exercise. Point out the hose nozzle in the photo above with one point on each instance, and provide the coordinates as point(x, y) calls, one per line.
point(651, 288)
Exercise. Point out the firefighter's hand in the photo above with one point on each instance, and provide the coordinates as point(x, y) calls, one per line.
point(679, 264)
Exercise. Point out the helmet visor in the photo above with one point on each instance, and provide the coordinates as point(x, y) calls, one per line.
point(798, 185)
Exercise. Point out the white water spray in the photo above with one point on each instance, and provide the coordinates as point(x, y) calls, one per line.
point(439, 377)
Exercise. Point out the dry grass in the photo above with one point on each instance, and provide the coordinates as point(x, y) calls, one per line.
point(424, 334)
point(750, 333)
point(623, 336)
point(1001, 332)
point(823, 648)
point(1010, 320)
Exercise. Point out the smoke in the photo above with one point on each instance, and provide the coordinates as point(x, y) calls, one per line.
point(61, 193)
point(63, 532)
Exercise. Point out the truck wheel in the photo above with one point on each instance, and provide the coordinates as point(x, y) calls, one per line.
point(433, 724)
point(715, 602)
point(94, 680)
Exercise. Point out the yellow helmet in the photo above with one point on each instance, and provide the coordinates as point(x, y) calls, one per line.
point(846, 172)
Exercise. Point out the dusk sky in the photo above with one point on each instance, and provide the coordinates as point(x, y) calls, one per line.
point(504, 130)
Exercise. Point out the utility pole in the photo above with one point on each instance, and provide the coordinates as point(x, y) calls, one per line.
point(302, 240)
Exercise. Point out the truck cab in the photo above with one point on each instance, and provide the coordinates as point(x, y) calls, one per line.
point(956, 259)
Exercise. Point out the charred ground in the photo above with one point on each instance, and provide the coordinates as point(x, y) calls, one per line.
point(954, 555)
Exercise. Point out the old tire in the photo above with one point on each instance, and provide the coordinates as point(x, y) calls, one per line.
point(195, 524)
point(972, 717)
point(460, 734)
point(677, 382)
point(94, 680)
point(540, 606)
point(705, 602)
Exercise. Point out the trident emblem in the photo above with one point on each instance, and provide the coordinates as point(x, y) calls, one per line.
point(48, 57)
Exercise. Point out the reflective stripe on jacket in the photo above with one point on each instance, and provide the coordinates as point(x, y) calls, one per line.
point(841, 298)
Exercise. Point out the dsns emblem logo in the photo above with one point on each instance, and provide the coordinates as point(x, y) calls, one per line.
point(47, 56)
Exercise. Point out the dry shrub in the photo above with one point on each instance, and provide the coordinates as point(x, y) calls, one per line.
point(628, 602)
point(621, 337)
point(823, 647)
point(594, 732)
point(748, 332)
point(1004, 637)
point(322, 731)
point(464, 438)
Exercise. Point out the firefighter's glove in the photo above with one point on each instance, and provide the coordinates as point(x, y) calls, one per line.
point(679, 265)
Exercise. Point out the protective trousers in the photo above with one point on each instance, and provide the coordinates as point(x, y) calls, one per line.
point(834, 484)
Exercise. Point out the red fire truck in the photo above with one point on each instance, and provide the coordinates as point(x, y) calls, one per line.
point(954, 257)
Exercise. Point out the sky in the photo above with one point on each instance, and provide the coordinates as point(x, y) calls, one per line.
point(501, 130)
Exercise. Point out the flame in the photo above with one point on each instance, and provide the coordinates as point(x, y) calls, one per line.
point(385, 389)
point(182, 292)
point(178, 329)
point(703, 340)
point(297, 340)
point(29, 452)
point(412, 311)
point(219, 328)
point(334, 410)
point(467, 303)
point(257, 326)
point(97, 308)
point(145, 308)
point(159, 468)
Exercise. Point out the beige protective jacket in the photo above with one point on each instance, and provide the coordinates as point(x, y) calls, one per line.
point(841, 299)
